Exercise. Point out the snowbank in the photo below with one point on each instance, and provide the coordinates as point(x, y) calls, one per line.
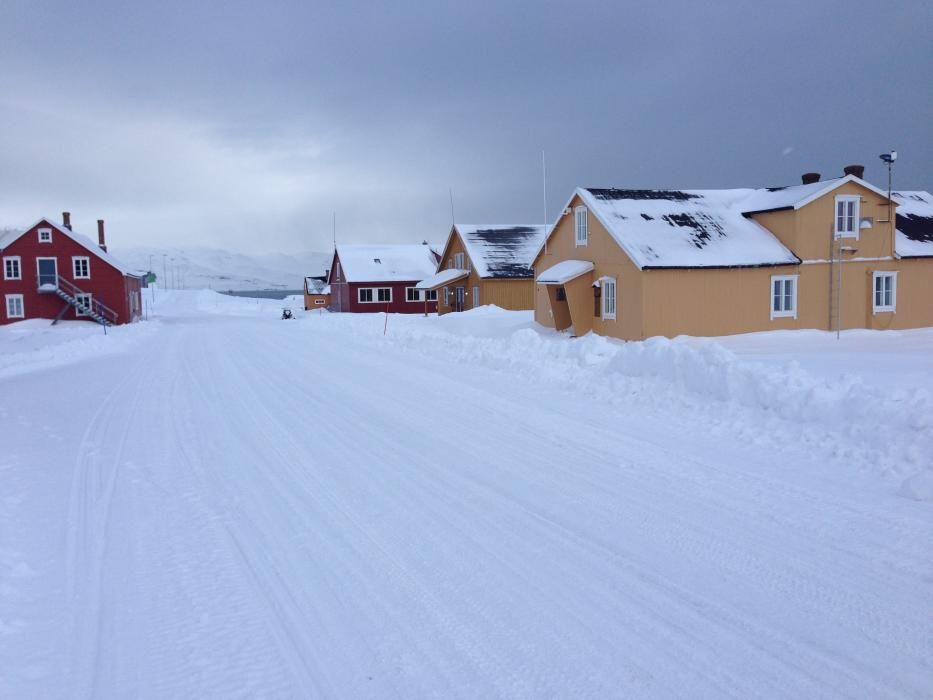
point(877, 427)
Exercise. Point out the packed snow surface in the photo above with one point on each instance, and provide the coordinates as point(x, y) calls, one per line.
point(217, 503)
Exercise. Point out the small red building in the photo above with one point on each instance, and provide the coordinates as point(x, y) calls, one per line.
point(49, 271)
point(374, 278)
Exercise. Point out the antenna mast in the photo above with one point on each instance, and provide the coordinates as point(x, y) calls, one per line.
point(453, 220)
point(544, 187)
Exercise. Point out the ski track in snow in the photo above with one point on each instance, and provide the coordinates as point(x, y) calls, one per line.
point(253, 508)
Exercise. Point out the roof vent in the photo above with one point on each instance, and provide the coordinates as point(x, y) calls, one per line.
point(856, 170)
point(810, 178)
point(377, 260)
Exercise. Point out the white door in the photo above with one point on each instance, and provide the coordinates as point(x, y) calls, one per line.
point(475, 297)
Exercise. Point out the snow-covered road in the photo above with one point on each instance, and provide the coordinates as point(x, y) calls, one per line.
point(236, 506)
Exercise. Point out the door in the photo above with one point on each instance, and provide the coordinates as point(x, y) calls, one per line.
point(47, 269)
point(458, 301)
point(475, 297)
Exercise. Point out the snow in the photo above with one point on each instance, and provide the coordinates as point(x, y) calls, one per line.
point(441, 278)
point(564, 271)
point(914, 236)
point(796, 196)
point(197, 268)
point(316, 286)
point(217, 503)
point(502, 250)
point(386, 263)
point(689, 228)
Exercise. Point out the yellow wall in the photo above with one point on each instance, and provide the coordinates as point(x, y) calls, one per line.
point(311, 298)
point(512, 294)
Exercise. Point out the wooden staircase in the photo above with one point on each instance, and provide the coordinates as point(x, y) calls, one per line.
point(72, 296)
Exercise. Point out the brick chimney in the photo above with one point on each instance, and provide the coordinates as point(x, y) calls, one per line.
point(810, 178)
point(66, 219)
point(101, 241)
point(857, 170)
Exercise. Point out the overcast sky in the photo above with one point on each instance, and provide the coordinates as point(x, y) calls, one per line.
point(246, 125)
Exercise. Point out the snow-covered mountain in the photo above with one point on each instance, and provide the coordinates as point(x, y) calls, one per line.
point(210, 268)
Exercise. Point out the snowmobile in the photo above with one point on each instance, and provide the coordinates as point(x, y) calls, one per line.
point(286, 314)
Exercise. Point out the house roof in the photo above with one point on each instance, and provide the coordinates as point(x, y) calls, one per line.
point(386, 263)
point(441, 278)
point(685, 228)
point(797, 196)
point(564, 271)
point(502, 250)
point(315, 286)
point(914, 219)
point(78, 238)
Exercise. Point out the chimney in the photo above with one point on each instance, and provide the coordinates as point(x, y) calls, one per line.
point(810, 178)
point(857, 170)
point(66, 219)
point(101, 241)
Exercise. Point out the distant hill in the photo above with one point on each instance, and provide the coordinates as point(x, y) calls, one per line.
point(209, 268)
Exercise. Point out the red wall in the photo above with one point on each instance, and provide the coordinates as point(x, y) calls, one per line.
point(107, 284)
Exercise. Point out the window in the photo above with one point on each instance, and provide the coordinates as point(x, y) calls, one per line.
point(14, 306)
point(412, 294)
point(458, 261)
point(319, 302)
point(579, 225)
point(475, 297)
point(81, 268)
point(337, 272)
point(45, 235)
point(430, 294)
point(609, 298)
point(374, 295)
point(784, 296)
point(446, 296)
point(85, 300)
point(12, 269)
point(560, 294)
point(847, 221)
point(885, 294)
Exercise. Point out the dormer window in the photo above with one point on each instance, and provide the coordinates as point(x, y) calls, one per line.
point(847, 216)
point(579, 225)
point(45, 235)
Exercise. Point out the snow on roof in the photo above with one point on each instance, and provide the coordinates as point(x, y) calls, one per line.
point(386, 263)
point(80, 239)
point(914, 218)
point(685, 228)
point(502, 250)
point(564, 271)
point(315, 286)
point(441, 278)
point(796, 196)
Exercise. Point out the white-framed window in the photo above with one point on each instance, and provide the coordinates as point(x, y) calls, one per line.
point(580, 225)
point(81, 267)
point(374, 295)
point(337, 272)
point(847, 219)
point(45, 235)
point(446, 296)
point(412, 294)
point(14, 306)
point(608, 295)
point(85, 300)
point(12, 268)
point(319, 302)
point(475, 297)
point(884, 294)
point(783, 296)
point(458, 261)
point(430, 295)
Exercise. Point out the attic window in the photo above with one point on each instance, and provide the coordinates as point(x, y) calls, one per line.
point(847, 216)
point(579, 221)
point(45, 235)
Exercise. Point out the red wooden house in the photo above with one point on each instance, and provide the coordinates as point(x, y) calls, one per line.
point(373, 278)
point(49, 271)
